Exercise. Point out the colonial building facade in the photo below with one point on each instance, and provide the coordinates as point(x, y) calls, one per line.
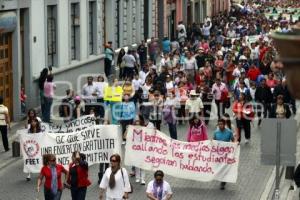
point(69, 36)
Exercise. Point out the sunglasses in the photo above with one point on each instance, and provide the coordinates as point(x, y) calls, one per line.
point(113, 161)
point(53, 160)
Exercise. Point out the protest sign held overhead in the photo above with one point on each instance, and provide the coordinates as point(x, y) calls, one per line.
point(98, 143)
point(151, 149)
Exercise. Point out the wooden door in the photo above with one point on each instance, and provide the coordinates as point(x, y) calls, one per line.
point(6, 72)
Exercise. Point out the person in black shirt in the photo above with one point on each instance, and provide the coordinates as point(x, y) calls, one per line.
point(200, 58)
point(263, 95)
point(78, 176)
point(142, 51)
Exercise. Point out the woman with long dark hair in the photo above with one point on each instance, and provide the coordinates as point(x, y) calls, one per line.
point(78, 176)
point(115, 181)
point(34, 127)
point(120, 63)
point(31, 115)
point(41, 82)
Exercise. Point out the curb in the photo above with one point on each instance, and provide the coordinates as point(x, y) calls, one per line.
point(8, 162)
point(267, 191)
point(12, 136)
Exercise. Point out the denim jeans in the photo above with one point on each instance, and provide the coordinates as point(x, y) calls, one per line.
point(173, 130)
point(47, 112)
point(50, 196)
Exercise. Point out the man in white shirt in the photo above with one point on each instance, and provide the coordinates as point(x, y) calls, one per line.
point(89, 94)
point(100, 85)
point(206, 29)
point(130, 62)
point(144, 73)
point(90, 91)
point(159, 188)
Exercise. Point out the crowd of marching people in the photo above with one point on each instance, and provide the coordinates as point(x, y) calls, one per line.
point(229, 62)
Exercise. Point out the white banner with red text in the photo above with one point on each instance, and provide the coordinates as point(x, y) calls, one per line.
point(98, 143)
point(208, 160)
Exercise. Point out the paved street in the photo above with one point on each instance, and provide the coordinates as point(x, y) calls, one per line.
point(250, 185)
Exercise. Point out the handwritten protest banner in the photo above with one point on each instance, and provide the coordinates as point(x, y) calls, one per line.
point(98, 143)
point(151, 149)
point(69, 127)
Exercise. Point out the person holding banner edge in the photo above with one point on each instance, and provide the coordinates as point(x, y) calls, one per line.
point(223, 134)
point(34, 127)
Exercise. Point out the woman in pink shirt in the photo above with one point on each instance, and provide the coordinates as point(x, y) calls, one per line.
point(197, 130)
point(49, 88)
point(271, 82)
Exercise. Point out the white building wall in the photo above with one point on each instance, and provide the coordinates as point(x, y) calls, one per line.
point(84, 27)
point(37, 39)
point(63, 33)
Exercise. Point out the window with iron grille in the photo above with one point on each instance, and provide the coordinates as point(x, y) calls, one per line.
point(51, 35)
point(75, 31)
point(92, 28)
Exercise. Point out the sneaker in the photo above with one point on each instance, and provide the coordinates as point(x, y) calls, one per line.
point(124, 142)
point(247, 141)
point(137, 180)
point(143, 182)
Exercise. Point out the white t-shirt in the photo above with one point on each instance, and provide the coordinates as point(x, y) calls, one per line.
point(190, 64)
point(129, 60)
point(166, 189)
point(142, 76)
point(100, 88)
point(169, 85)
point(3, 113)
point(137, 84)
point(146, 89)
point(195, 105)
point(120, 188)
